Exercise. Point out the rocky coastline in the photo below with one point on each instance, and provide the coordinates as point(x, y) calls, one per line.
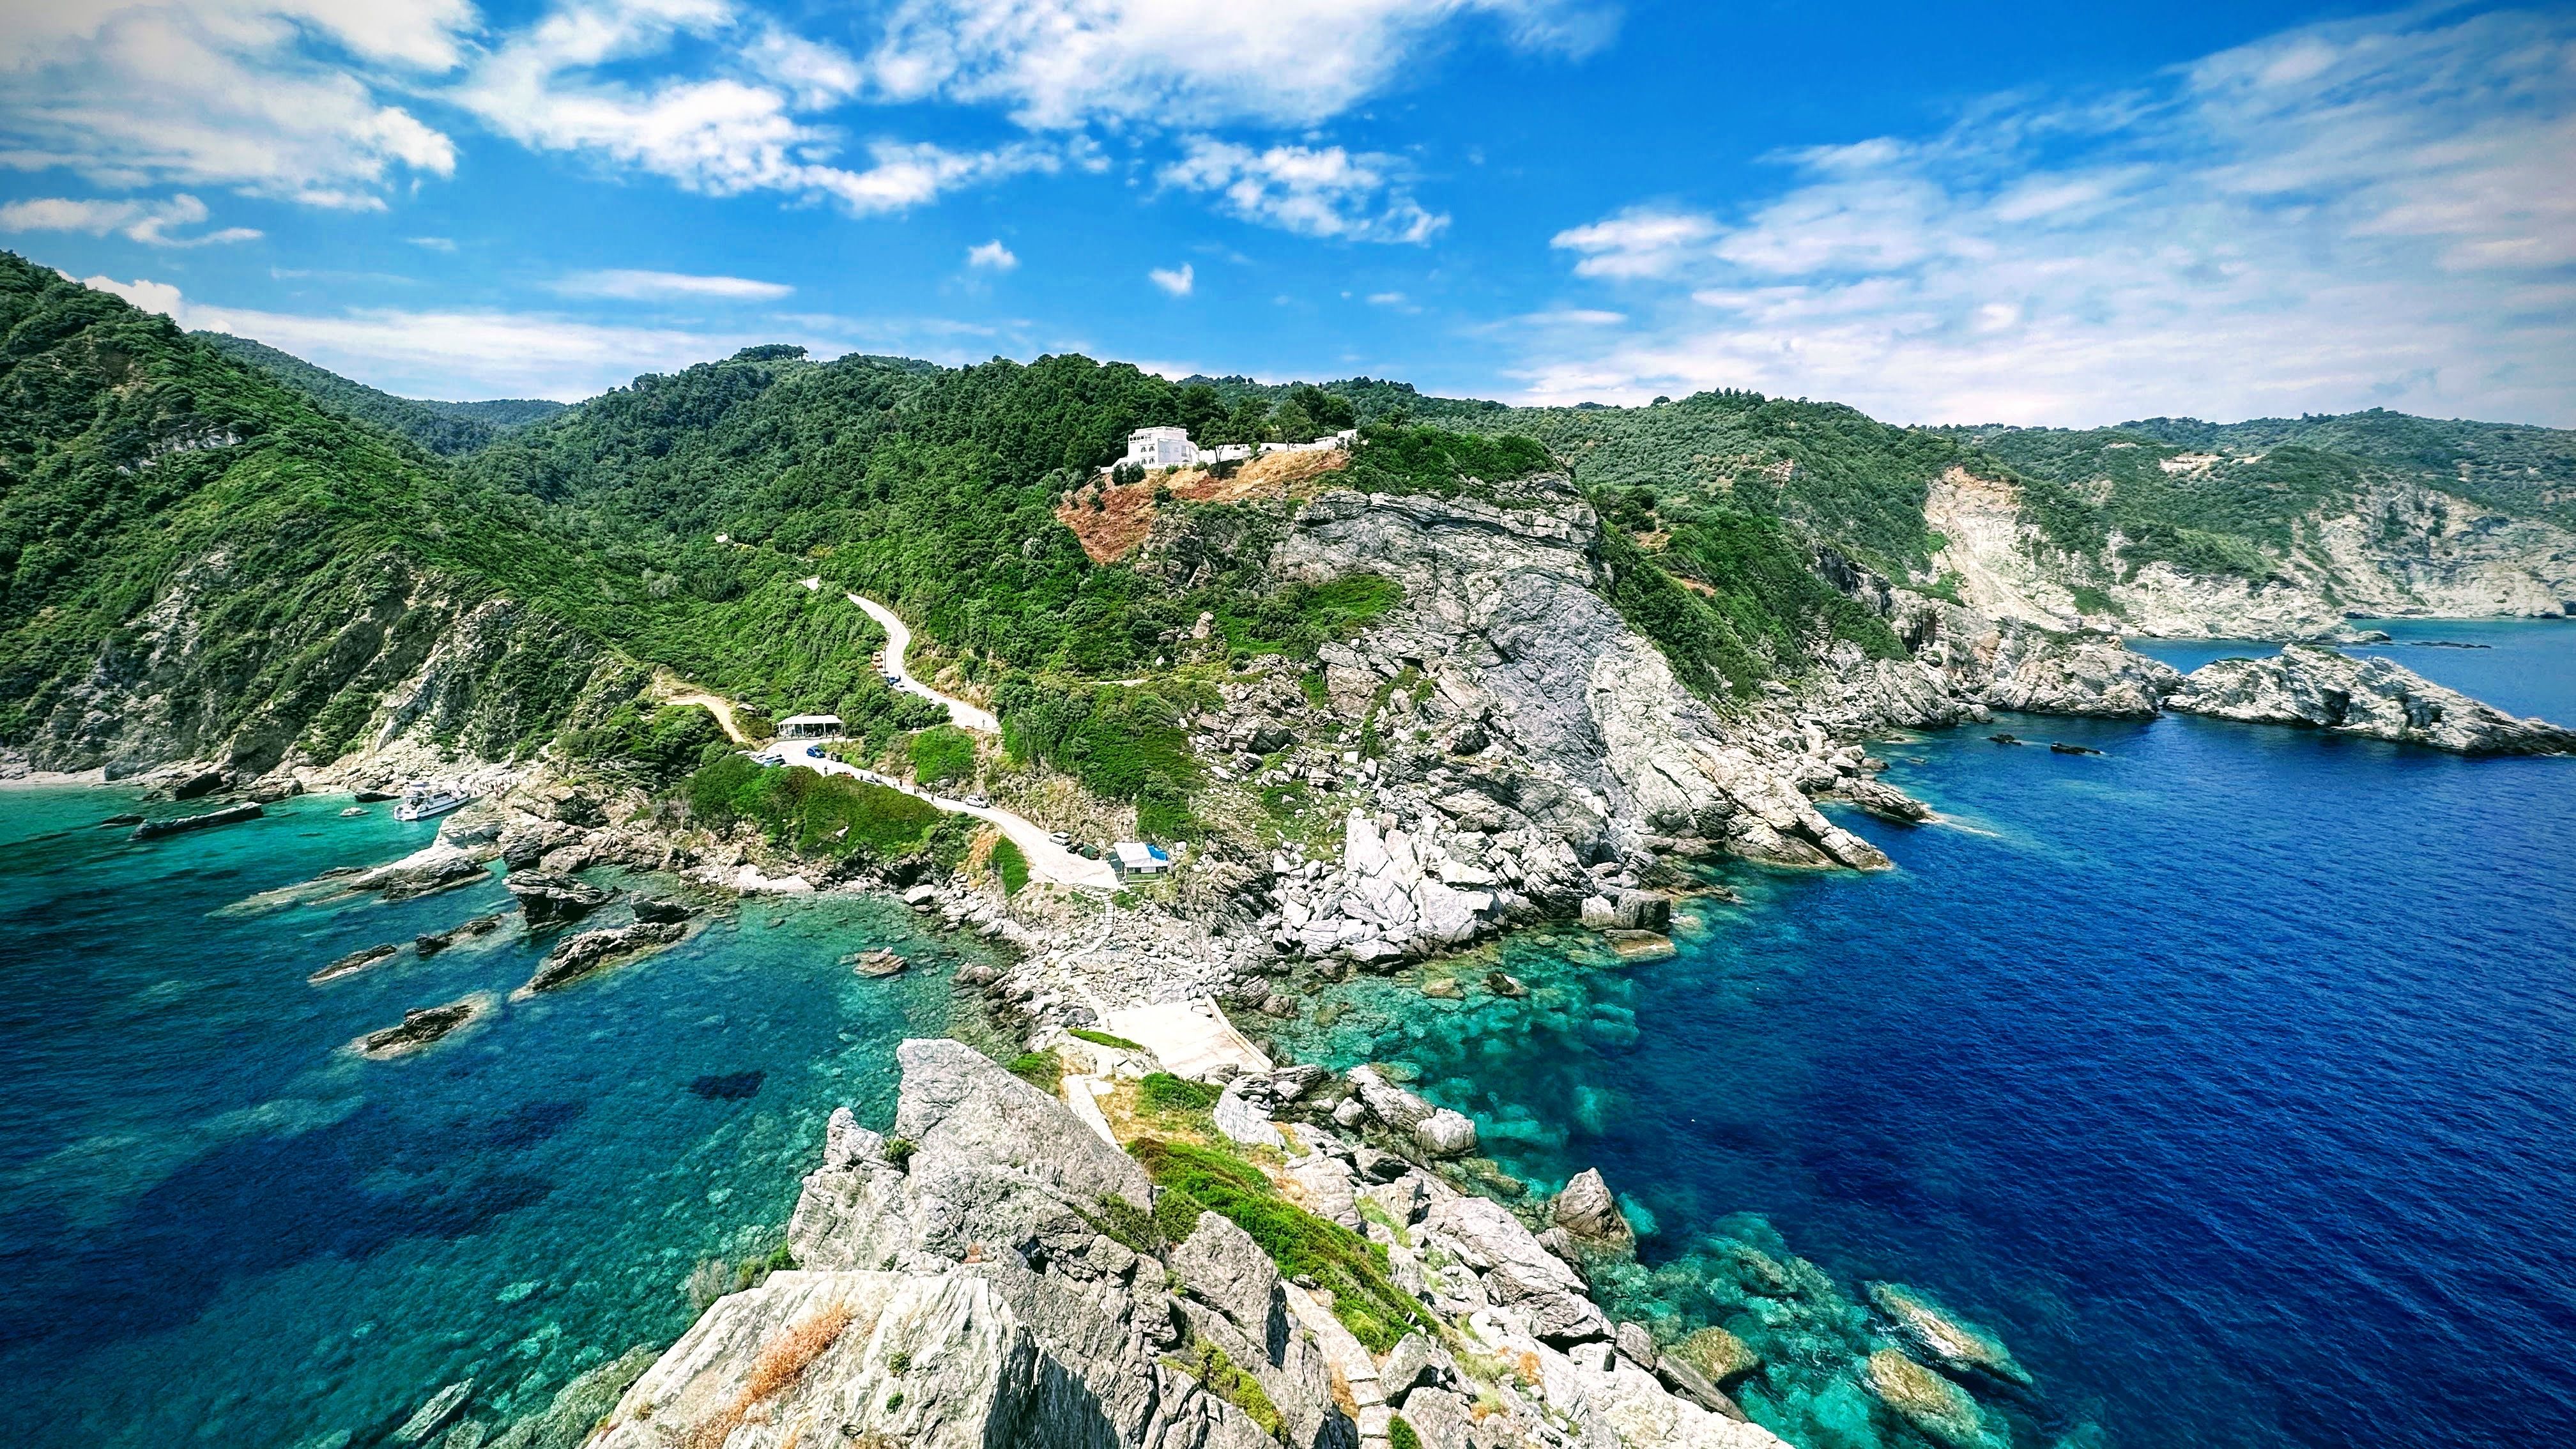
point(1501, 749)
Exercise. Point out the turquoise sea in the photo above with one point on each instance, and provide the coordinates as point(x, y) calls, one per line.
point(2229, 1076)
point(218, 1226)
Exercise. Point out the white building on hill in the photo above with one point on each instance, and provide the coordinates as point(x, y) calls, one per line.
point(1152, 448)
point(1160, 448)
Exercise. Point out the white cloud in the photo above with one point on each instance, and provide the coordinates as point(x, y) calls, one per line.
point(433, 243)
point(991, 256)
point(2349, 214)
point(1177, 283)
point(562, 86)
point(259, 95)
point(460, 353)
point(1321, 192)
point(1064, 63)
point(143, 221)
point(645, 286)
point(1638, 242)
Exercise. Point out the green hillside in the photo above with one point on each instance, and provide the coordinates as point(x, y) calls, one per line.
point(441, 427)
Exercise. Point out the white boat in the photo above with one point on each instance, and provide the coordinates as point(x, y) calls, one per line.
point(422, 799)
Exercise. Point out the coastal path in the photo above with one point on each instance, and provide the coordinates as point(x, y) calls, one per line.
point(1048, 861)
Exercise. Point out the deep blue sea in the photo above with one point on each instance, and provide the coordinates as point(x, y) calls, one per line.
point(218, 1226)
point(2230, 1077)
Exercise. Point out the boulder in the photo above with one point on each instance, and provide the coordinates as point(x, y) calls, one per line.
point(1384, 1100)
point(1586, 1209)
point(549, 898)
point(1636, 1343)
point(1242, 1119)
point(199, 785)
point(1643, 911)
point(879, 962)
point(1599, 913)
point(1221, 1265)
point(1445, 1134)
point(1416, 1362)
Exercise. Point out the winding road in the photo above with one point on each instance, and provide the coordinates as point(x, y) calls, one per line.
point(1048, 861)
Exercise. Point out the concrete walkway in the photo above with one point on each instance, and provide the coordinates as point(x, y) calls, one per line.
point(898, 639)
point(1192, 1037)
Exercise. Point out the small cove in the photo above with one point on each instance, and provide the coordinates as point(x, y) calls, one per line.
point(222, 1227)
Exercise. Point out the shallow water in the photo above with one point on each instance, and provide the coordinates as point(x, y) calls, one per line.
point(222, 1227)
point(2230, 1076)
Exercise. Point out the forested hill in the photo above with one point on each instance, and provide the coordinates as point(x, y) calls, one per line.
point(441, 427)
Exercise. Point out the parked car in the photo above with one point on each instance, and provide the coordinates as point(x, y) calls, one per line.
point(1060, 837)
point(980, 802)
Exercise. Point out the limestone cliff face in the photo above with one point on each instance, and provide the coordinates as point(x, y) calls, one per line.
point(2396, 549)
point(1516, 648)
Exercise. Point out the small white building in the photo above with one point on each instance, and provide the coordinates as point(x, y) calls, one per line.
point(1226, 453)
point(1160, 448)
point(1135, 857)
point(810, 727)
point(1343, 439)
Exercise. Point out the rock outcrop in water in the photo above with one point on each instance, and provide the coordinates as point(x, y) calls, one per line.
point(549, 898)
point(578, 956)
point(2318, 688)
point(965, 1283)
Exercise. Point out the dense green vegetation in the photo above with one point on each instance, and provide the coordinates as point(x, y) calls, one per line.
point(1844, 478)
point(441, 427)
point(318, 538)
point(1124, 743)
point(1194, 1179)
point(941, 753)
point(830, 816)
point(1396, 458)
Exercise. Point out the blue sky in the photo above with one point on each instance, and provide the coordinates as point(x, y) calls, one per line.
point(1999, 212)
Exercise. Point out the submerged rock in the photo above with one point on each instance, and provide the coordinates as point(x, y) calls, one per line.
point(442, 1409)
point(550, 899)
point(356, 961)
point(879, 962)
point(1717, 1353)
point(1641, 945)
point(2320, 688)
point(579, 1405)
point(1945, 1339)
point(578, 956)
point(2061, 747)
point(1939, 1408)
point(662, 910)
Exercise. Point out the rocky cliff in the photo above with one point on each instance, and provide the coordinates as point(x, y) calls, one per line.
point(993, 1274)
point(2393, 548)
